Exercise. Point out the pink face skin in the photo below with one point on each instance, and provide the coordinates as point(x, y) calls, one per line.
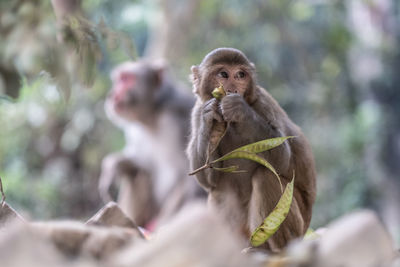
point(123, 82)
point(235, 79)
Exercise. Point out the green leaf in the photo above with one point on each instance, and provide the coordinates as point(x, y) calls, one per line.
point(311, 235)
point(274, 220)
point(233, 168)
point(263, 145)
point(237, 154)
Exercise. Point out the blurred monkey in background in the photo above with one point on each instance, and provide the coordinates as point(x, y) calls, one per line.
point(152, 168)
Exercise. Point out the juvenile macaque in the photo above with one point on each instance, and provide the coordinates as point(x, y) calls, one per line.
point(246, 198)
point(152, 167)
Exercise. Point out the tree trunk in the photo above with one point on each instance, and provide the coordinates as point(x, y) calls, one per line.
point(169, 35)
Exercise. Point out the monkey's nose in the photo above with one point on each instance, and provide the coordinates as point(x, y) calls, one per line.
point(232, 90)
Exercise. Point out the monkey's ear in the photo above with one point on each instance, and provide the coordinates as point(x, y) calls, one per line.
point(252, 66)
point(194, 78)
point(195, 73)
point(160, 67)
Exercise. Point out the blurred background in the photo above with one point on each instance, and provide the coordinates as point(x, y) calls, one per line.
point(334, 66)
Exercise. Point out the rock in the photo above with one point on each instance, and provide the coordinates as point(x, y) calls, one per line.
point(302, 252)
point(111, 215)
point(8, 214)
point(108, 231)
point(196, 237)
point(67, 236)
point(358, 239)
point(74, 238)
point(21, 247)
point(104, 242)
point(396, 261)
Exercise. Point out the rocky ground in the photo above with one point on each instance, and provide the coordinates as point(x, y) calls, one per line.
point(194, 238)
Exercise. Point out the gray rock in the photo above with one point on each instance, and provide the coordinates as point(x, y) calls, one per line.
point(196, 237)
point(21, 247)
point(8, 214)
point(358, 239)
point(74, 238)
point(111, 215)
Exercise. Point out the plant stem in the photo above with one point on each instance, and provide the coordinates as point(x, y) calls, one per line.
point(3, 196)
point(205, 166)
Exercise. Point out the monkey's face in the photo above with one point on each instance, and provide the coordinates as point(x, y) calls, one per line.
point(135, 85)
point(228, 67)
point(234, 78)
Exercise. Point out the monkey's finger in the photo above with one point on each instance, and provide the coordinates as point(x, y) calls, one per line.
point(218, 117)
point(232, 100)
point(209, 106)
point(212, 103)
point(211, 109)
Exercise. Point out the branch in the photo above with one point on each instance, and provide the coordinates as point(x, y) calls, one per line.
point(205, 166)
point(3, 196)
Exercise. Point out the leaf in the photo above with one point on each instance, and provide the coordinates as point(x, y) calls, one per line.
point(251, 156)
point(218, 131)
point(311, 235)
point(274, 220)
point(263, 145)
point(233, 168)
point(218, 92)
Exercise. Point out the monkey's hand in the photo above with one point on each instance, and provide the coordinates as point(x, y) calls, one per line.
point(210, 113)
point(234, 108)
point(114, 165)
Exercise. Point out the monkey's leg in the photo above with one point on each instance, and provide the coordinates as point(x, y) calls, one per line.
point(136, 198)
point(265, 196)
point(171, 205)
point(109, 171)
point(227, 204)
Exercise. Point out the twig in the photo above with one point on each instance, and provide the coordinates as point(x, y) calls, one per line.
point(208, 164)
point(205, 166)
point(3, 196)
point(209, 153)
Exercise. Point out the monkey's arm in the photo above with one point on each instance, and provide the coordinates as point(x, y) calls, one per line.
point(251, 122)
point(261, 120)
point(113, 165)
point(203, 117)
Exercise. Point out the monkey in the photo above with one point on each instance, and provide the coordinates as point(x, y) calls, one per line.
point(154, 114)
point(245, 199)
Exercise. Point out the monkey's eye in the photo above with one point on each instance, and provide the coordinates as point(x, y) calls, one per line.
point(241, 74)
point(223, 74)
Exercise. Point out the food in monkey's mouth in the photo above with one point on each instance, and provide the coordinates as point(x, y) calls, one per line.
point(218, 92)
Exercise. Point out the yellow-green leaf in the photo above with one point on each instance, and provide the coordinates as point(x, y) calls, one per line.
point(273, 221)
point(218, 92)
point(233, 168)
point(311, 235)
point(263, 145)
point(250, 156)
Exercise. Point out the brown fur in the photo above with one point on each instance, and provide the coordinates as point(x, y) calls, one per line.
point(247, 198)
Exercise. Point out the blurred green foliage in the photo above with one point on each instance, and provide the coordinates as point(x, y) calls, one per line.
point(51, 146)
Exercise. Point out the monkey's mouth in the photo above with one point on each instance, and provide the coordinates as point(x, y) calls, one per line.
point(123, 104)
point(120, 106)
